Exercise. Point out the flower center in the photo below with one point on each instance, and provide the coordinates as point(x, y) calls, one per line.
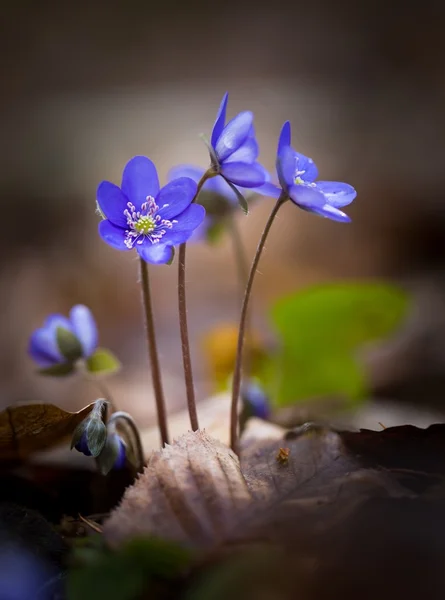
point(298, 180)
point(145, 224)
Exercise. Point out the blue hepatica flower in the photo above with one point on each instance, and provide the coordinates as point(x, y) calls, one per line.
point(234, 149)
point(297, 175)
point(140, 215)
point(44, 344)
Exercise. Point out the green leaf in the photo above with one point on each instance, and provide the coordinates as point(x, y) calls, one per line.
point(127, 573)
point(241, 200)
point(102, 362)
point(57, 370)
point(319, 331)
point(68, 344)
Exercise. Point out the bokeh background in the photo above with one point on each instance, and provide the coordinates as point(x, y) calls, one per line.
point(88, 85)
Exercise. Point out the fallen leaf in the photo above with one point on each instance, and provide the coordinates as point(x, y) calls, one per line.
point(195, 492)
point(28, 428)
point(191, 492)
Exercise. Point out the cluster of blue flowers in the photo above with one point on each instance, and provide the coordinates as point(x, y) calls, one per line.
point(152, 220)
point(140, 215)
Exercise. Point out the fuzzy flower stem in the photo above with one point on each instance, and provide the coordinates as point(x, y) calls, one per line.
point(153, 353)
point(182, 306)
point(136, 438)
point(242, 265)
point(242, 326)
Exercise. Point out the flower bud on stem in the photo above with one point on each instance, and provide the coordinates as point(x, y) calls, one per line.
point(234, 442)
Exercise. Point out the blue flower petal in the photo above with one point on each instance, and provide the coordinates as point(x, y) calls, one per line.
point(85, 329)
point(218, 185)
point(245, 175)
point(188, 221)
point(191, 171)
point(112, 202)
point(337, 194)
point(220, 120)
point(269, 189)
point(233, 135)
point(157, 254)
point(246, 153)
point(329, 212)
point(175, 197)
point(286, 166)
point(112, 235)
point(54, 321)
point(307, 196)
point(285, 137)
point(120, 461)
point(43, 348)
point(305, 168)
point(139, 180)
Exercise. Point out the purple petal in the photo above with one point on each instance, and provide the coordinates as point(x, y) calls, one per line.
point(188, 221)
point(112, 202)
point(112, 235)
point(305, 168)
point(246, 153)
point(245, 175)
point(43, 348)
point(140, 180)
point(233, 135)
point(84, 327)
point(157, 254)
point(268, 189)
point(286, 167)
point(191, 171)
point(337, 194)
point(285, 137)
point(218, 185)
point(220, 120)
point(174, 198)
point(329, 212)
point(307, 196)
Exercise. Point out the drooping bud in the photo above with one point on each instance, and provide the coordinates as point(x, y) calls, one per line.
point(90, 435)
point(114, 452)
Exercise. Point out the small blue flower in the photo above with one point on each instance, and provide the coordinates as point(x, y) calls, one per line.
point(140, 215)
point(234, 149)
point(44, 347)
point(297, 175)
point(255, 400)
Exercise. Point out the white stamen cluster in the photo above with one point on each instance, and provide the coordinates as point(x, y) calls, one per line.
point(145, 223)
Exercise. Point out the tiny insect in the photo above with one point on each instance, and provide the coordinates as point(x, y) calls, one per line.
point(283, 455)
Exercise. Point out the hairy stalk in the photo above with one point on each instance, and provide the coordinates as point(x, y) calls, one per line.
point(182, 306)
point(153, 353)
point(242, 327)
point(135, 436)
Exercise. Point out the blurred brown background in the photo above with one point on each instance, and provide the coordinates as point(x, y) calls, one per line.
point(88, 85)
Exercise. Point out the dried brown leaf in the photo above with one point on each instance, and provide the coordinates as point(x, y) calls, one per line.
point(191, 491)
point(287, 488)
point(28, 428)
